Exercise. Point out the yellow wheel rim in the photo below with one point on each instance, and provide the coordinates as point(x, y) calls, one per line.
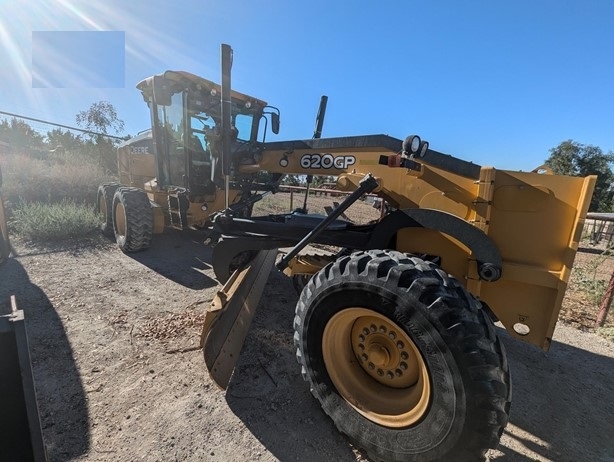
point(120, 219)
point(376, 367)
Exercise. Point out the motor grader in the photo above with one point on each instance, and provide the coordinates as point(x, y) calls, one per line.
point(168, 176)
point(395, 332)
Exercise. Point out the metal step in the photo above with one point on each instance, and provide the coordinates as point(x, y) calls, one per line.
point(178, 205)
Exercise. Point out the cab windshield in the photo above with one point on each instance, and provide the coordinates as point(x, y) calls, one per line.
point(187, 128)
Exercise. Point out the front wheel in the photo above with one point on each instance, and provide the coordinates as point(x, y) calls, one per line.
point(403, 359)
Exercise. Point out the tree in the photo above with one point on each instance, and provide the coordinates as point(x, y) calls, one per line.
point(575, 159)
point(19, 135)
point(102, 118)
point(318, 181)
point(64, 140)
point(291, 180)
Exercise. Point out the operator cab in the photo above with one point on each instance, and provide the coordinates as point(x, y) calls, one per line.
point(186, 122)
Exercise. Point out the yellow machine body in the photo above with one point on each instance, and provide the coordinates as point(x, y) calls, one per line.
point(535, 220)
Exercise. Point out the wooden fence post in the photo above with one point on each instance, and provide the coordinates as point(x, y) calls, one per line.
point(605, 304)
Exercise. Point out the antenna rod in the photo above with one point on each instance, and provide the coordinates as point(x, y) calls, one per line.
point(226, 109)
point(317, 133)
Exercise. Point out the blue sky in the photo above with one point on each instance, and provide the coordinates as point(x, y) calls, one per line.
point(497, 83)
point(97, 61)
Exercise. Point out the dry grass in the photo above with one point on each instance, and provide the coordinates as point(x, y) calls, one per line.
point(52, 180)
point(589, 278)
point(51, 199)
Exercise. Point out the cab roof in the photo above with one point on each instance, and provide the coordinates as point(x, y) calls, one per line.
point(183, 80)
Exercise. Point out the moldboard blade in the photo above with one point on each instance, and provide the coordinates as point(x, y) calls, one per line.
point(232, 310)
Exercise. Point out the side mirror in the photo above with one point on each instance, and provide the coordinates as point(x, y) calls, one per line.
point(275, 122)
point(161, 91)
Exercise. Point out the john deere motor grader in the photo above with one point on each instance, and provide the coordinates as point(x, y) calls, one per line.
point(395, 333)
point(168, 175)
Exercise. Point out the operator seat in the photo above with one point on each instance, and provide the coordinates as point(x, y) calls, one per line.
point(198, 152)
point(201, 167)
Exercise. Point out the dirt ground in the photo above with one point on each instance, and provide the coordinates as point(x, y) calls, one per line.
point(119, 377)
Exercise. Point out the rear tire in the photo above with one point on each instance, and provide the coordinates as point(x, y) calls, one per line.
point(132, 219)
point(403, 359)
point(104, 207)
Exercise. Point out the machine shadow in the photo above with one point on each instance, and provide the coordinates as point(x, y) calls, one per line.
point(61, 397)
point(179, 256)
point(553, 394)
point(268, 393)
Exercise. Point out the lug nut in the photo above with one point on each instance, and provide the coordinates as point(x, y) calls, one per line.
point(404, 355)
point(382, 329)
point(400, 345)
point(365, 331)
point(392, 335)
point(364, 357)
point(398, 372)
point(403, 366)
point(371, 366)
point(373, 327)
point(380, 372)
point(390, 375)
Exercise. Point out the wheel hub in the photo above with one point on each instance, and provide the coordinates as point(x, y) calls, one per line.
point(378, 354)
point(383, 353)
point(376, 367)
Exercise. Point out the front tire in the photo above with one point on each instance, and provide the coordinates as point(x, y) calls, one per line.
point(132, 219)
point(403, 359)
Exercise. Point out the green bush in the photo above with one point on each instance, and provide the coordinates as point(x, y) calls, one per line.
point(36, 221)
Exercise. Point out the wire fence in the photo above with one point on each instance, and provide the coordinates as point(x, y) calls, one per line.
point(19, 136)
